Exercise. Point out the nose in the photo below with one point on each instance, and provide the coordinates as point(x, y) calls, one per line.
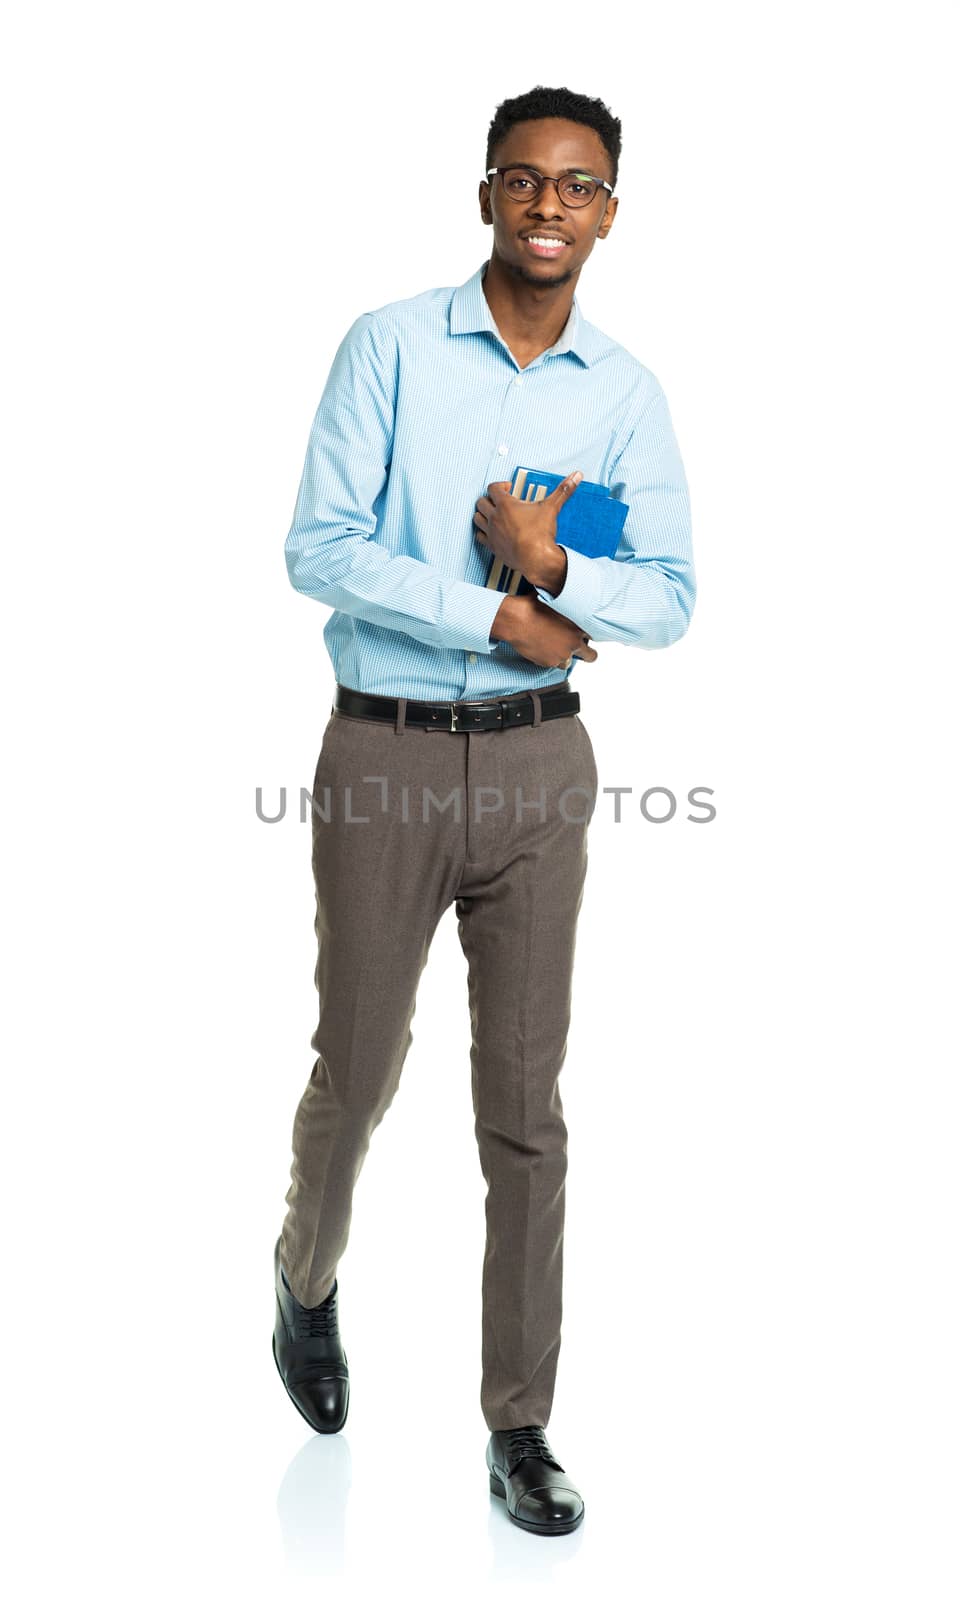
point(546, 202)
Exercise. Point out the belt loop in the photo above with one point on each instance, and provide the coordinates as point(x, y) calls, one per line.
point(400, 717)
point(536, 699)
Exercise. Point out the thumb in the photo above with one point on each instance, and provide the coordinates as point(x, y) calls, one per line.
point(563, 490)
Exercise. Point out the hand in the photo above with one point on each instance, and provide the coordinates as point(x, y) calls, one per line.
point(539, 633)
point(522, 533)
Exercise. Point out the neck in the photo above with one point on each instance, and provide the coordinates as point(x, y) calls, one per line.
point(524, 311)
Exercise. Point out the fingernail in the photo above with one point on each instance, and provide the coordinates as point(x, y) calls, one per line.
point(576, 477)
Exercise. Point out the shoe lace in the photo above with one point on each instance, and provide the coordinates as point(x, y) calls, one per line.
point(317, 1321)
point(529, 1441)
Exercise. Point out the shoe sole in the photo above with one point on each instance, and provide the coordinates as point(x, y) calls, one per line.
point(338, 1426)
point(498, 1487)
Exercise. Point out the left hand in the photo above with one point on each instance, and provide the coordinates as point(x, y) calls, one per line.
point(522, 533)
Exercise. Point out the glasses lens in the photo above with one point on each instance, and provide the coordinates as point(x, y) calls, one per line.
point(521, 182)
point(576, 188)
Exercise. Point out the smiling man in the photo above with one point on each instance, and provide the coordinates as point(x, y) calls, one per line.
point(454, 747)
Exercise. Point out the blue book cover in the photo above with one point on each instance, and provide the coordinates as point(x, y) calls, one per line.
point(591, 521)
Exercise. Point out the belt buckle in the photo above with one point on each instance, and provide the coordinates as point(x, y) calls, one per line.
point(455, 726)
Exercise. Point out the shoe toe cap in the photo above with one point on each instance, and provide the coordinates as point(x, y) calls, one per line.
point(324, 1402)
point(547, 1504)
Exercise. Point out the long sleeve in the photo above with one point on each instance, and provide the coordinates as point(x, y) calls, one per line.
point(330, 552)
point(645, 594)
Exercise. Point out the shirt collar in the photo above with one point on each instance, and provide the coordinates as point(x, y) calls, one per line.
point(469, 313)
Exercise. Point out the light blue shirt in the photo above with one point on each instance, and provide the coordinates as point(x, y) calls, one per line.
point(424, 407)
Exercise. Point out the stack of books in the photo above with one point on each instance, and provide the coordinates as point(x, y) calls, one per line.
point(591, 521)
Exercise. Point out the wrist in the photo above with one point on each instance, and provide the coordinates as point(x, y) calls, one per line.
point(504, 619)
point(552, 570)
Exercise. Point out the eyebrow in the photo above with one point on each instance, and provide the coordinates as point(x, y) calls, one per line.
point(584, 172)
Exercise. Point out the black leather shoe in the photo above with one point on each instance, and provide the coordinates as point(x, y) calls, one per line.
point(309, 1355)
point(526, 1475)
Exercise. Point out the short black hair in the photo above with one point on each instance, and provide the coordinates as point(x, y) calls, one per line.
point(542, 102)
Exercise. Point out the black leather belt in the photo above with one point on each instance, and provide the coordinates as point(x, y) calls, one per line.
point(460, 716)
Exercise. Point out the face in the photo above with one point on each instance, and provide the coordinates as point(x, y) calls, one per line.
point(550, 145)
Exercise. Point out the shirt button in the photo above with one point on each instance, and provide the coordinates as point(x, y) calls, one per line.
point(472, 655)
point(517, 382)
point(503, 449)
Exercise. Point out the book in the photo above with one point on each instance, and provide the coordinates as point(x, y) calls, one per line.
point(591, 521)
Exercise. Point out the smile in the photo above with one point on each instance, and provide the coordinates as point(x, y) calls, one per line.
point(544, 246)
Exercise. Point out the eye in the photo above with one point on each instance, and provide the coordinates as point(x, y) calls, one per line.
point(579, 188)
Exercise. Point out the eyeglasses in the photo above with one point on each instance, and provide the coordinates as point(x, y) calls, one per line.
point(523, 183)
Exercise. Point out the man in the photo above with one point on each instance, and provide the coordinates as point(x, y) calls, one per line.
point(403, 501)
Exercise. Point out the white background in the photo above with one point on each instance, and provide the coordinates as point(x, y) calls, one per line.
point(759, 1391)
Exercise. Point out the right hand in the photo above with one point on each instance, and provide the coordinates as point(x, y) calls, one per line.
point(540, 634)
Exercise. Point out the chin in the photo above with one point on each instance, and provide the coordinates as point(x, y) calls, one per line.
point(549, 279)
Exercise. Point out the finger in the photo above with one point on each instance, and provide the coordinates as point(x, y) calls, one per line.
point(568, 486)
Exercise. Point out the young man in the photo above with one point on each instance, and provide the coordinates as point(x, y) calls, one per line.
point(454, 749)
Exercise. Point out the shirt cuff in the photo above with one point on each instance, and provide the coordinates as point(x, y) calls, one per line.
point(468, 613)
point(581, 593)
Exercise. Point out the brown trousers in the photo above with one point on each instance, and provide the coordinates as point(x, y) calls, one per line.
point(445, 822)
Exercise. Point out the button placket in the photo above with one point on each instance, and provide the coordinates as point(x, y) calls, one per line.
point(502, 448)
point(497, 469)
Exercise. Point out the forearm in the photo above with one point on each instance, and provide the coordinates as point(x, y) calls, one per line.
point(647, 604)
point(351, 573)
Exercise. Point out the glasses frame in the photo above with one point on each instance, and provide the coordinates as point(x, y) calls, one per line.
point(523, 200)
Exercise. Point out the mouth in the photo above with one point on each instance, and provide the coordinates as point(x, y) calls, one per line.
point(547, 245)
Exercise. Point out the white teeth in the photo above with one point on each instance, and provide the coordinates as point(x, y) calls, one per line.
point(554, 244)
